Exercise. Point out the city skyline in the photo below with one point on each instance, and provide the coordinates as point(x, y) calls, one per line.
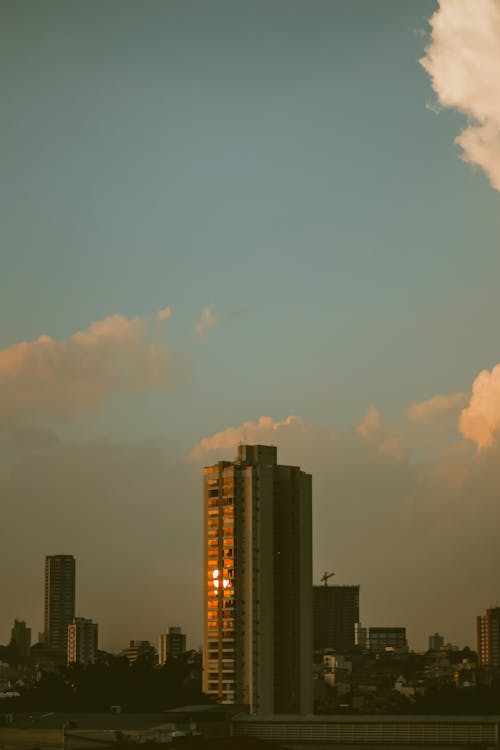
point(249, 222)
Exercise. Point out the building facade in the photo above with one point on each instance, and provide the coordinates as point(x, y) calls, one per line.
point(258, 583)
point(137, 649)
point(59, 608)
point(436, 642)
point(82, 641)
point(335, 614)
point(171, 644)
point(387, 639)
point(488, 638)
point(20, 638)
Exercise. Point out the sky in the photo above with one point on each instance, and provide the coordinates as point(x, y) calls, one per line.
point(267, 221)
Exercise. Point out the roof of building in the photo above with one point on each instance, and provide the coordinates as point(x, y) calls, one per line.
point(364, 719)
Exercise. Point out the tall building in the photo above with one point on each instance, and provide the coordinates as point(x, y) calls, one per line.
point(436, 642)
point(258, 583)
point(488, 638)
point(138, 649)
point(21, 640)
point(387, 639)
point(59, 600)
point(82, 641)
point(335, 614)
point(171, 643)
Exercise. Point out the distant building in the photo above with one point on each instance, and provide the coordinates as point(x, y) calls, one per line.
point(59, 600)
point(488, 638)
point(82, 641)
point(257, 580)
point(387, 639)
point(21, 640)
point(135, 649)
point(335, 613)
point(171, 643)
point(337, 670)
point(360, 636)
point(436, 642)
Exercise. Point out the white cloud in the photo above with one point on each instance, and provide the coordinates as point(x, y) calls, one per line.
point(463, 61)
point(370, 426)
point(436, 410)
point(249, 432)
point(206, 321)
point(163, 314)
point(59, 379)
point(480, 420)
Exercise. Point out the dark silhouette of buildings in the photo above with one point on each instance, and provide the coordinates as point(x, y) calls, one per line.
point(20, 640)
point(436, 642)
point(335, 613)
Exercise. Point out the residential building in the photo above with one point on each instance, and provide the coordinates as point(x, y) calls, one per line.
point(360, 636)
point(436, 642)
point(258, 583)
point(337, 670)
point(335, 613)
point(387, 639)
point(82, 641)
point(135, 649)
point(21, 639)
point(171, 644)
point(488, 638)
point(59, 600)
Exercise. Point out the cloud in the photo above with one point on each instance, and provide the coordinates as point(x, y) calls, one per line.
point(60, 379)
point(436, 410)
point(463, 61)
point(206, 321)
point(163, 314)
point(227, 440)
point(480, 420)
point(370, 426)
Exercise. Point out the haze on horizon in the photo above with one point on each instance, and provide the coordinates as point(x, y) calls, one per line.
point(271, 222)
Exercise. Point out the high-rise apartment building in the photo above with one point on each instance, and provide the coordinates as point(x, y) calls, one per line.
point(258, 583)
point(59, 600)
point(436, 642)
point(488, 638)
point(335, 614)
point(171, 644)
point(21, 640)
point(82, 641)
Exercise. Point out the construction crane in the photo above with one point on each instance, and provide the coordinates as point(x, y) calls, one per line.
point(326, 576)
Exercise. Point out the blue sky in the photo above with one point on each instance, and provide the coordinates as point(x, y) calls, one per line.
point(274, 156)
point(273, 160)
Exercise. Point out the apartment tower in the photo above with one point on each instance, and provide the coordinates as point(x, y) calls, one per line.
point(488, 638)
point(82, 641)
point(258, 583)
point(171, 644)
point(59, 600)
